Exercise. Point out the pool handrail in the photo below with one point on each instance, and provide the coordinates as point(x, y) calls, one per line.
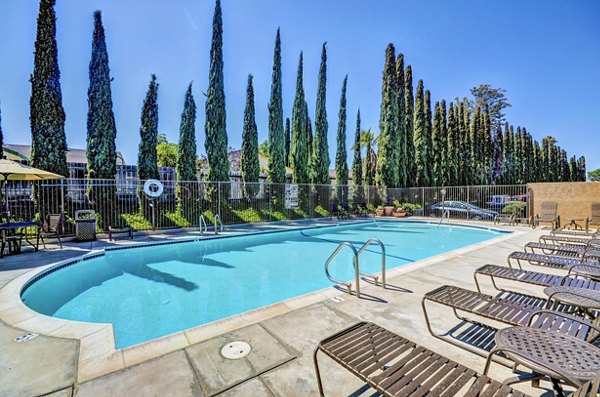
point(355, 264)
point(202, 221)
point(370, 241)
point(217, 223)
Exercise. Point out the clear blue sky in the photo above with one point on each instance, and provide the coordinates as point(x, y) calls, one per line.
point(546, 54)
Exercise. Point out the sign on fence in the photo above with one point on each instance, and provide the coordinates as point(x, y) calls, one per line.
point(291, 196)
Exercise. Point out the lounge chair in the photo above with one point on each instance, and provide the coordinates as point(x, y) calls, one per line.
point(53, 228)
point(594, 219)
point(558, 239)
point(590, 257)
point(123, 230)
point(578, 276)
point(335, 211)
point(347, 210)
point(556, 249)
point(396, 366)
point(549, 214)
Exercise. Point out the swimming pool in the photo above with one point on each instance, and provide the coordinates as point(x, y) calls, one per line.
point(155, 290)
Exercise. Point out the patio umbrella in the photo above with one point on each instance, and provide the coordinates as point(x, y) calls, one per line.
point(13, 171)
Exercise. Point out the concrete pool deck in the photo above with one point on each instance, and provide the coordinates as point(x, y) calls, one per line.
point(283, 336)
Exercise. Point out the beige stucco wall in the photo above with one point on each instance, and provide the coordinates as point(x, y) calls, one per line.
point(574, 198)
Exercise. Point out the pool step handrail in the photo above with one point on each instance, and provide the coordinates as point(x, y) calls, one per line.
point(446, 215)
point(218, 224)
point(371, 276)
point(202, 221)
point(354, 263)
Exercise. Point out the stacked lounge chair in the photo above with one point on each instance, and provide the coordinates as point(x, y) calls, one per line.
point(548, 214)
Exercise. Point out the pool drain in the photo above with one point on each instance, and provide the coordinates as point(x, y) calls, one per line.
point(235, 350)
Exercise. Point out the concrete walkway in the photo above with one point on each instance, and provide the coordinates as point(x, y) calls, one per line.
point(280, 362)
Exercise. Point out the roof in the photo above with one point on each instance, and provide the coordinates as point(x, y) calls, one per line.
point(74, 155)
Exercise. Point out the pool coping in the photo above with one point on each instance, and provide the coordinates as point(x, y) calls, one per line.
point(97, 353)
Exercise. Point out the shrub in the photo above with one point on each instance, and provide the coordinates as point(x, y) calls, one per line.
point(515, 208)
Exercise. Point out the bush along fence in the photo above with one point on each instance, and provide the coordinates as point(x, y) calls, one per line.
point(119, 203)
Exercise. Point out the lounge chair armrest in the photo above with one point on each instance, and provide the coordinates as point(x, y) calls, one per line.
point(565, 316)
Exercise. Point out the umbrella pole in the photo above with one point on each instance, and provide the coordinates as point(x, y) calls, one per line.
point(6, 197)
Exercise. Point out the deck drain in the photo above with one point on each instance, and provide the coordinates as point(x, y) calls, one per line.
point(25, 337)
point(235, 350)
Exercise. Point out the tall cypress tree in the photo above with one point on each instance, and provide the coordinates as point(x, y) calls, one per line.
point(428, 138)
point(454, 151)
point(250, 166)
point(475, 149)
point(582, 169)
point(486, 140)
point(387, 158)
point(288, 141)
point(341, 166)
point(402, 157)
point(564, 167)
point(443, 142)
point(147, 157)
point(186, 150)
point(420, 138)
point(369, 177)
point(215, 125)
point(47, 116)
point(309, 141)
point(409, 109)
point(537, 156)
point(497, 157)
point(436, 148)
point(101, 129)
point(320, 153)
point(507, 167)
point(357, 171)
point(299, 147)
point(573, 169)
point(277, 149)
point(464, 144)
point(1, 138)
point(518, 159)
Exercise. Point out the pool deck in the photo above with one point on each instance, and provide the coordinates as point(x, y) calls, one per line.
point(283, 336)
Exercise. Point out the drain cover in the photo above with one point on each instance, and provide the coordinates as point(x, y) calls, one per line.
point(25, 337)
point(235, 350)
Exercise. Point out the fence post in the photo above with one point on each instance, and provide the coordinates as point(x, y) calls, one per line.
point(219, 200)
point(62, 196)
point(423, 198)
point(270, 201)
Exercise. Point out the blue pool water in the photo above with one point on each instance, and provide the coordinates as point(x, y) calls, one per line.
point(158, 290)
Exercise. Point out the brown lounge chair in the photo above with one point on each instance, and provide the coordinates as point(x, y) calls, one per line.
point(564, 249)
point(594, 219)
point(53, 228)
point(549, 214)
point(558, 239)
point(395, 366)
point(509, 308)
point(578, 276)
point(590, 257)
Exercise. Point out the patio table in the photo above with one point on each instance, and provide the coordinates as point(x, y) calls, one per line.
point(10, 229)
point(586, 300)
point(573, 223)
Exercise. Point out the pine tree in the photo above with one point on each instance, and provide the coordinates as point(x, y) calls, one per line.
point(101, 150)
point(288, 141)
point(341, 167)
point(299, 146)
point(249, 164)
point(420, 138)
point(357, 171)
point(387, 155)
point(402, 157)
point(320, 153)
point(47, 116)
point(277, 149)
point(215, 124)
point(409, 109)
point(147, 157)
point(497, 157)
point(186, 150)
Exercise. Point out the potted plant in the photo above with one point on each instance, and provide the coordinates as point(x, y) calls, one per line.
point(379, 211)
point(399, 212)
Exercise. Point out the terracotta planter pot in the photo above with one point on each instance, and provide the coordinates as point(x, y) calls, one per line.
point(399, 214)
point(388, 210)
point(378, 212)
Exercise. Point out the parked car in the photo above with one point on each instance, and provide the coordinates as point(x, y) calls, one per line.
point(520, 197)
point(460, 209)
point(498, 201)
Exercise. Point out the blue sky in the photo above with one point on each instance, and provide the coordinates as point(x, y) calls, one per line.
point(546, 54)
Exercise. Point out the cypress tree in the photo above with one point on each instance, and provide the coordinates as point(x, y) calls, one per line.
point(299, 149)
point(215, 125)
point(465, 145)
point(454, 152)
point(420, 138)
point(517, 159)
point(443, 142)
point(507, 146)
point(487, 147)
point(357, 171)
point(409, 108)
point(475, 149)
point(537, 156)
point(387, 158)
point(497, 157)
point(101, 150)
point(320, 153)
point(1, 139)
point(309, 141)
point(564, 167)
point(186, 150)
point(436, 148)
point(250, 166)
point(402, 157)
point(369, 177)
point(341, 166)
point(288, 141)
point(277, 149)
point(526, 155)
point(47, 116)
point(428, 138)
point(582, 169)
point(147, 157)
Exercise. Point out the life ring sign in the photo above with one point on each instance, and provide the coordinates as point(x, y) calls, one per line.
point(153, 188)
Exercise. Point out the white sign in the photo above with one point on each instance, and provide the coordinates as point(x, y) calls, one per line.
point(291, 196)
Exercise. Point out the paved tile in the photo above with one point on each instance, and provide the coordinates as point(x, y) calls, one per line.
point(254, 388)
point(169, 375)
point(61, 393)
point(217, 373)
point(41, 365)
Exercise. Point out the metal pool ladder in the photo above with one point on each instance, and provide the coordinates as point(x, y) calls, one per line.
point(371, 276)
point(202, 221)
point(354, 263)
point(217, 223)
point(446, 215)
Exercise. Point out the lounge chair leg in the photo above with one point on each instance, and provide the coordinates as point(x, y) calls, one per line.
point(427, 318)
point(318, 373)
point(476, 282)
point(557, 388)
point(488, 361)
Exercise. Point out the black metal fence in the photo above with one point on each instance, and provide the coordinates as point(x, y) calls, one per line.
point(123, 202)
